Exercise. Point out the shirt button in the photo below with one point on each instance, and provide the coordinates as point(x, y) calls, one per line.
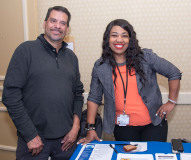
point(145, 99)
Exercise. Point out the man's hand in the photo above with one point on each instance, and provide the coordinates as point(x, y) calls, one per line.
point(91, 135)
point(35, 145)
point(69, 139)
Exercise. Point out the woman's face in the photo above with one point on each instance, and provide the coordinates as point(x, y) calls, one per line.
point(119, 40)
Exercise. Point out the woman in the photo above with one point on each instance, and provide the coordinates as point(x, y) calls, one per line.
point(126, 75)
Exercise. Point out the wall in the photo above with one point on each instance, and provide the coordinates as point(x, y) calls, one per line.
point(164, 26)
point(11, 30)
point(161, 25)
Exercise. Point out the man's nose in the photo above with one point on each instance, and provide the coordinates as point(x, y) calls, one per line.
point(57, 25)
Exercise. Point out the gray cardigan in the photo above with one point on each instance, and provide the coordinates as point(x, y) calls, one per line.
point(102, 83)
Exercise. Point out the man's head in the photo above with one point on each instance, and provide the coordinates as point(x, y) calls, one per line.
point(61, 9)
point(56, 24)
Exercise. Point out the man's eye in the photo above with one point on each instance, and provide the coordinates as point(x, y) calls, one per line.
point(63, 23)
point(52, 20)
point(113, 35)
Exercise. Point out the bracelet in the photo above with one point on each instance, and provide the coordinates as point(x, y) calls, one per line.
point(90, 127)
point(172, 101)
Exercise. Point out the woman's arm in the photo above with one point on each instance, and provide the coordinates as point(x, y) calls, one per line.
point(174, 87)
point(91, 115)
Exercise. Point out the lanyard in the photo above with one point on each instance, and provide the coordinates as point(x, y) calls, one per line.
point(124, 89)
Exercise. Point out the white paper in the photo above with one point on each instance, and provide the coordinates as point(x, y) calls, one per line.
point(141, 146)
point(122, 156)
point(185, 156)
point(99, 152)
point(102, 152)
point(162, 156)
point(70, 46)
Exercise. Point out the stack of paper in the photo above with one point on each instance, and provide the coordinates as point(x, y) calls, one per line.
point(185, 156)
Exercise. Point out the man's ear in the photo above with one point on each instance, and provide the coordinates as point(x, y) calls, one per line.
point(67, 31)
point(44, 23)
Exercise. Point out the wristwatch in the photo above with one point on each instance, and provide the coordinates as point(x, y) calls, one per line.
point(90, 127)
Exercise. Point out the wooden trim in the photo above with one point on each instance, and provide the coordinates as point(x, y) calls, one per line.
point(2, 78)
point(183, 98)
point(3, 109)
point(8, 148)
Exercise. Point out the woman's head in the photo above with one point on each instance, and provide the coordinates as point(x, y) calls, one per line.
point(125, 25)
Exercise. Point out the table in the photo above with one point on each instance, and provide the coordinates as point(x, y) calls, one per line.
point(152, 148)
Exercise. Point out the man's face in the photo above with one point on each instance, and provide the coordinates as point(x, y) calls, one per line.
point(56, 26)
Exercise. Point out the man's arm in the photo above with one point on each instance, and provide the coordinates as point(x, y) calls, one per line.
point(12, 97)
point(78, 90)
point(71, 137)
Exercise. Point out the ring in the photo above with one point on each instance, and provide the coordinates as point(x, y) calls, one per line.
point(164, 113)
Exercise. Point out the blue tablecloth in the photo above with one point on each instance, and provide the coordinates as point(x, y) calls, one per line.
point(152, 148)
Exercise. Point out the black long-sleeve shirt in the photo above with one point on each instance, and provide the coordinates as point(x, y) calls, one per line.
point(42, 89)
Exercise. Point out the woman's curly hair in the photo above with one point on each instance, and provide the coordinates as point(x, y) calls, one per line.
point(134, 55)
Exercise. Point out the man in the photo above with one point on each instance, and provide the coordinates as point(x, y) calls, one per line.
point(43, 92)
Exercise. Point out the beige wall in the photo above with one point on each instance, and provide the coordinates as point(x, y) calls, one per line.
point(164, 26)
point(11, 30)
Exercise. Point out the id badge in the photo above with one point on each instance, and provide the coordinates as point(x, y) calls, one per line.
point(123, 120)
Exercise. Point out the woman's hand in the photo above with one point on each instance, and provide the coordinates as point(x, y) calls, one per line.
point(91, 135)
point(165, 109)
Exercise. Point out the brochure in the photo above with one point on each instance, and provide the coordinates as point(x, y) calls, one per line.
point(95, 152)
point(162, 156)
point(122, 156)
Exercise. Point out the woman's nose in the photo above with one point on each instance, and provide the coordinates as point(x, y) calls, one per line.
point(119, 39)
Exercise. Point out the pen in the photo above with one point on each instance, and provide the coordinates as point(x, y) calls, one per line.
point(127, 144)
point(113, 148)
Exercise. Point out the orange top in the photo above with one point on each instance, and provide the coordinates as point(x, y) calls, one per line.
point(135, 108)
